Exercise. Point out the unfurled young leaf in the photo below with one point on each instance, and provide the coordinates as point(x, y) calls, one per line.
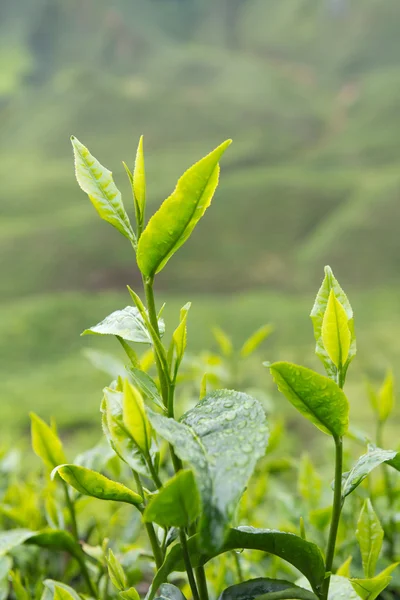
point(135, 418)
point(253, 342)
point(98, 183)
point(130, 594)
point(369, 589)
point(127, 324)
point(116, 571)
point(175, 220)
point(362, 468)
point(335, 331)
point(223, 340)
point(138, 183)
point(20, 591)
point(147, 386)
point(45, 443)
point(221, 438)
point(317, 316)
point(177, 504)
point(369, 535)
point(316, 397)
point(179, 337)
point(60, 593)
point(344, 569)
point(90, 483)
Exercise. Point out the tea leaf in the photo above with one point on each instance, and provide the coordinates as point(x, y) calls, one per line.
point(252, 343)
point(45, 443)
point(138, 182)
point(13, 538)
point(309, 482)
point(115, 571)
point(56, 539)
point(369, 589)
point(223, 340)
point(340, 588)
point(179, 337)
point(90, 483)
point(344, 569)
point(335, 331)
point(21, 593)
point(304, 556)
point(177, 504)
point(369, 535)
point(51, 585)
point(147, 386)
point(386, 397)
point(316, 397)
point(170, 592)
point(130, 594)
point(98, 183)
point(317, 315)
point(175, 220)
point(365, 464)
point(256, 588)
point(135, 418)
point(221, 438)
point(127, 324)
point(60, 593)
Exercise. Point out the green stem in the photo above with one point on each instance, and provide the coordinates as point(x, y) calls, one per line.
point(337, 508)
point(155, 546)
point(188, 565)
point(238, 566)
point(81, 558)
point(200, 575)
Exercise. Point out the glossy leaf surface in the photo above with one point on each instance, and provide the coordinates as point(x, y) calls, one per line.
point(369, 589)
point(335, 331)
point(50, 587)
point(177, 504)
point(369, 535)
point(175, 220)
point(147, 386)
point(115, 571)
point(127, 324)
point(316, 397)
point(170, 592)
point(135, 418)
point(221, 438)
point(98, 183)
point(363, 467)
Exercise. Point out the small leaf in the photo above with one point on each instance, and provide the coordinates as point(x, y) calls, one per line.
point(223, 340)
point(97, 182)
point(256, 588)
point(130, 594)
point(169, 592)
point(127, 324)
point(21, 593)
point(116, 571)
point(179, 337)
point(344, 569)
point(175, 220)
point(386, 397)
point(147, 386)
point(56, 539)
point(13, 538)
point(221, 438)
point(369, 589)
point(60, 593)
point(135, 418)
point(317, 315)
point(335, 331)
point(51, 585)
point(45, 443)
point(177, 504)
point(340, 588)
point(138, 182)
point(252, 343)
point(316, 397)
point(365, 464)
point(90, 483)
point(369, 535)
point(304, 556)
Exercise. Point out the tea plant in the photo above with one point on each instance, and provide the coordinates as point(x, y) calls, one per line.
point(178, 476)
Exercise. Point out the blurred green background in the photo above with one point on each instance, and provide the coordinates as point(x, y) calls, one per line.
point(309, 91)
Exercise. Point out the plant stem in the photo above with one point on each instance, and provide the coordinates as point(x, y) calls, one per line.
point(155, 546)
point(238, 566)
point(81, 559)
point(337, 508)
point(200, 575)
point(188, 565)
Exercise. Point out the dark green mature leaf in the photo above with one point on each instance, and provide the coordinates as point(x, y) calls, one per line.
point(317, 315)
point(304, 556)
point(94, 484)
point(316, 397)
point(363, 467)
point(56, 539)
point(177, 504)
point(117, 434)
point(175, 220)
point(170, 592)
point(221, 438)
point(127, 324)
point(147, 386)
point(98, 183)
point(256, 588)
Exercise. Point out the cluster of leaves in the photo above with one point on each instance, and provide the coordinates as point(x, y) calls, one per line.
point(191, 470)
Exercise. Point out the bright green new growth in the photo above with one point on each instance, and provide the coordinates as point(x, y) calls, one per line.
point(175, 220)
point(335, 331)
point(370, 538)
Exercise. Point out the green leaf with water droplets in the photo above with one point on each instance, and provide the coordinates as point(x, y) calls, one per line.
point(363, 467)
point(98, 183)
point(175, 220)
point(317, 315)
point(316, 397)
point(177, 504)
point(169, 592)
point(304, 556)
point(261, 587)
point(127, 324)
point(221, 438)
point(340, 588)
point(90, 483)
point(369, 535)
